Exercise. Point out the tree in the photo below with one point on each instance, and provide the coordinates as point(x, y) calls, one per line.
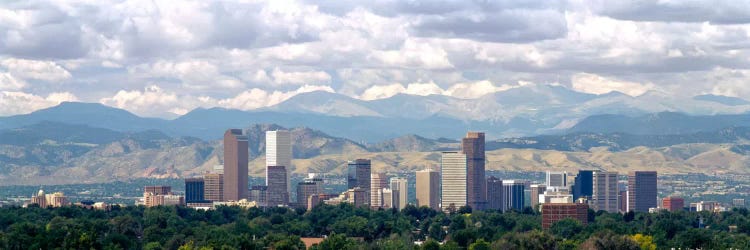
point(646, 242)
point(566, 228)
point(336, 241)
point(608, 240)
point(430, 245)
point(480, 245)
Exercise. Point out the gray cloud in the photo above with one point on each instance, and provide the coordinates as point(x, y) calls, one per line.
point(717, 12)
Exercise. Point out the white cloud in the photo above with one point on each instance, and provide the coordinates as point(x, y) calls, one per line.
point(595, 84)
point(150, 102)
point(475, 89)
point(9, 82)
point(382, 91)
point(415, 54)
point(299, 77)
point(258, 98)
point(423, 89)
point(14, 102)
point(33, 69)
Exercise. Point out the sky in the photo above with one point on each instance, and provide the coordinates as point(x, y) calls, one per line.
point(161, 58)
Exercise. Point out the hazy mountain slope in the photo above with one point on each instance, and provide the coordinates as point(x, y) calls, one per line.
point(659, 124)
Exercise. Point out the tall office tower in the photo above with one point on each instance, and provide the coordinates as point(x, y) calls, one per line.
point(213, 187)
point(400, 189)
point(259, 194)
point(308, 187)
point(473, 147)
point(279, 153)
point(642, 191)
point(673, 204)
point(557, 179)
point(536, 190)
point(584, 184)
point(604, 195)
point(277, 194)
point(194, 190)
point(513, 197)
point(622, 200)
point(453, 179)
point(494, 193)
point(235, 165)
point(389, 198)
point(428, 188)
point(359, 171)
point(378, 181)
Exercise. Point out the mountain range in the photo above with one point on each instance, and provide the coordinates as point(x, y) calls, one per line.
point(524, 111)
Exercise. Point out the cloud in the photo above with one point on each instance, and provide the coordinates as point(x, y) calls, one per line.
point(475, 89)
point(14, 102)
point(33, 69)
point(414, 54)
point(9, 82)
point(299, 77)
point(715, 11)
point(382, 91)
point(594, 84)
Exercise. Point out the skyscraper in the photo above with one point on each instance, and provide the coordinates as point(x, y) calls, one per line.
point(378, 181)
point(428, 188)
point(276, 194)
point(513, 195)
point(235, 165)
point(213, 187)
point(194, 190)
point(359, 172)
point(642, 191)
point(494, 193)
point(308, 187)
point(536, 190)
point(584, 184)
point(389, 198)
point(604, 195)
point(557, 179)
point(473, 147)
point(279, 153)
point(259, 194)
point(453, 178)
point(399, 186)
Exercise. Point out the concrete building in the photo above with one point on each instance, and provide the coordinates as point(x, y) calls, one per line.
point(673, 204)
point(453, 179)
point(308, 187)
point(400, 189)
point(536, 190)
point(279, 153)
point(194, 190)
point(605, 192)
point(390, 198)
point(494, 193)
point(277, 194)
point(378, 181)
point(213, 187)
point(315, 200)
point(557, 179)
point(428, 188)
point(555, 195)
point(157, 190)
point(57, 199)
point(738, 203)
point(642, 191)
point(473, 147)
point(236, 156)
point(513, 195)
point(355, 196)
point(554, 212)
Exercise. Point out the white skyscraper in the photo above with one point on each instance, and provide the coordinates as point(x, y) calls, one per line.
point(453, 167)
point(399, 186)
point(279, 153)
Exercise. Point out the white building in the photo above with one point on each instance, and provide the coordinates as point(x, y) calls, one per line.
point(279, 153)
point(557, 179)
point(453, 167)
point(399, 186)
point(378, 181)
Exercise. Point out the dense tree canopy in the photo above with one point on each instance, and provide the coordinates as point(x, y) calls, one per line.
point(347, 227)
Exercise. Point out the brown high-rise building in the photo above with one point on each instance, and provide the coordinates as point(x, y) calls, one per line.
point(673, 204)
point(235, 165)
point(378, 181)
point(473, 147)
point(642, 191)
point(276, 194)
point(213, 187)
point(554, 212)
point(536, 190)
point(428, 188)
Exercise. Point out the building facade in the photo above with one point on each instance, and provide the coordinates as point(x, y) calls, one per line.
point(453, 179)
point(494, 193)
point(279, 153)
point(673, 204)
point(605, 192)
point(213, 187)
point(584, 184)
point(536, 190)
point(513, 195)
point(400, 189)
point(277, 194)
point(428, 188)
point(557, 179)
point(236, 156)
point(473, 147)
point(306, 188)
point(258, 193)
point(378, 181)
point(554, 212)
point(194, 190)
point(642, 190)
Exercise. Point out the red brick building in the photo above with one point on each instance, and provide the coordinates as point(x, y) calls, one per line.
point(673, 203)
point(554, 212)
